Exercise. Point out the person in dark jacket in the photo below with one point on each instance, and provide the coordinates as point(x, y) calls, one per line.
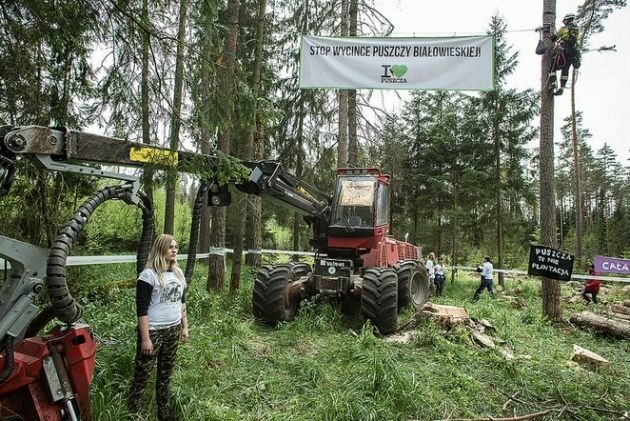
point(591, 286)
point(440, 277)
point(567, 53)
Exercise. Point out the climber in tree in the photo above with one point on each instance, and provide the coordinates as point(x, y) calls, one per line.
point(566, 53)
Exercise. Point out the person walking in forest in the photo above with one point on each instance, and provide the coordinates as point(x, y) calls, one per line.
point(430, 265)
point(566, 53)
point(162, 323)
point(440, 277)
point(591, 286)
point(485, 269)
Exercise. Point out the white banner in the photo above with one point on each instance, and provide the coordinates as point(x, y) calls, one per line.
point(457, 63)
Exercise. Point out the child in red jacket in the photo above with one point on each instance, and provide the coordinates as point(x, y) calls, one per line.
point(591, 286)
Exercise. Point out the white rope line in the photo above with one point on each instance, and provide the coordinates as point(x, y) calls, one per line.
point(573, 276)
point(106, 260)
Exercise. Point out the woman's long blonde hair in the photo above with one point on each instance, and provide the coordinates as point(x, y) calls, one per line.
point(159, 264)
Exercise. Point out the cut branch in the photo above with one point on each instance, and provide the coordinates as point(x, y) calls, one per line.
point(522, 417)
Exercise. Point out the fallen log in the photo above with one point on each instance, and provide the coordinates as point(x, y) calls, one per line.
point(622, 309)
point(619, 316)
point(611, 327)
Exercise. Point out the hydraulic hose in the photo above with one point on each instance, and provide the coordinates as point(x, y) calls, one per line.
point(8, 367)
point(64, 305)
point(40, 321)
point(148, 227)
point(194, 230)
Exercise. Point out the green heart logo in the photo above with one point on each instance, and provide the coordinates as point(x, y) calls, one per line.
point(399, 70)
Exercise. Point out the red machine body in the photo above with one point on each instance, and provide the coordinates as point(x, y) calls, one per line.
point(361, 208)
point(26, 390)
point(355, 257)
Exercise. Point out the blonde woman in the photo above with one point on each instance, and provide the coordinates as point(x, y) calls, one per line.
point(162, 322)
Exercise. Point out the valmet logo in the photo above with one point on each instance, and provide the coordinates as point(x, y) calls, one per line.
point(393, 73)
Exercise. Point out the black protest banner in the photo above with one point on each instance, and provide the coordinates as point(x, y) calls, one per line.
point(550, 263)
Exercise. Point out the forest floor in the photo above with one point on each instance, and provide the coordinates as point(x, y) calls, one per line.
point(326, 365)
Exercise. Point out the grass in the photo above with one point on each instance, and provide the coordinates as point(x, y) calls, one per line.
point(329, 366)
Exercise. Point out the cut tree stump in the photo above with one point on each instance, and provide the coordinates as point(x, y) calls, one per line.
point(447, 316)
point(584, 356)
point(445, 311)
point(611, 327)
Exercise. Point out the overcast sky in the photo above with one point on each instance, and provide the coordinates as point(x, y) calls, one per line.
point(603, 86)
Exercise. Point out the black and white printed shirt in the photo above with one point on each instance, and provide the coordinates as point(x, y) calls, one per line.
point(162, 305)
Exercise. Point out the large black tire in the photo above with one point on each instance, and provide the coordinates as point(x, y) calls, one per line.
point(379, 299)
point(419, 287)
point(404, 270)
point(269, 298)
point(299, 269)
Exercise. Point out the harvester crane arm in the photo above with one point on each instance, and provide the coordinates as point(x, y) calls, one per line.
point(56, 149)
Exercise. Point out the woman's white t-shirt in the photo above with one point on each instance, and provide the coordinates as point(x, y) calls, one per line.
point(165, 308)
point(430, 268)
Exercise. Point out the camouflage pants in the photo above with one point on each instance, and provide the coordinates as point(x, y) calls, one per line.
point(165, 342)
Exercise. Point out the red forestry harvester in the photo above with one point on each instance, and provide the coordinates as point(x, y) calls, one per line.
point(355, 258)
point(46, 376)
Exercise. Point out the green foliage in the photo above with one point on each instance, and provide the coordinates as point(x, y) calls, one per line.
point(116, 226)
point(326, 365)
point(279, 238)
point(53, 77)
point(224, 169)
point(38, 200)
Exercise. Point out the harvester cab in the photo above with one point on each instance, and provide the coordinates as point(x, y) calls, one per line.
point(360, 213)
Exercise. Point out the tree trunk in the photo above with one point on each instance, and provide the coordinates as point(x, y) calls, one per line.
point(342, 137)
point(206, 128)
point(50, 197)
point(240, 202)
point(353, 142)
point(297, 224)
point(216, 260)
point(454, 231)
point(579, 222)
point(498, 198)
point(299, 164)
point(144, 87)
point(171, 177)
point(216, 263)
point(561, 221)
point(253, 237)
point(550, 287)
point(248, 152)
point(42, 182)
point(601, 324)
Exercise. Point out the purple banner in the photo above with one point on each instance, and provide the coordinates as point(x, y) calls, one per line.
point(611, 265)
